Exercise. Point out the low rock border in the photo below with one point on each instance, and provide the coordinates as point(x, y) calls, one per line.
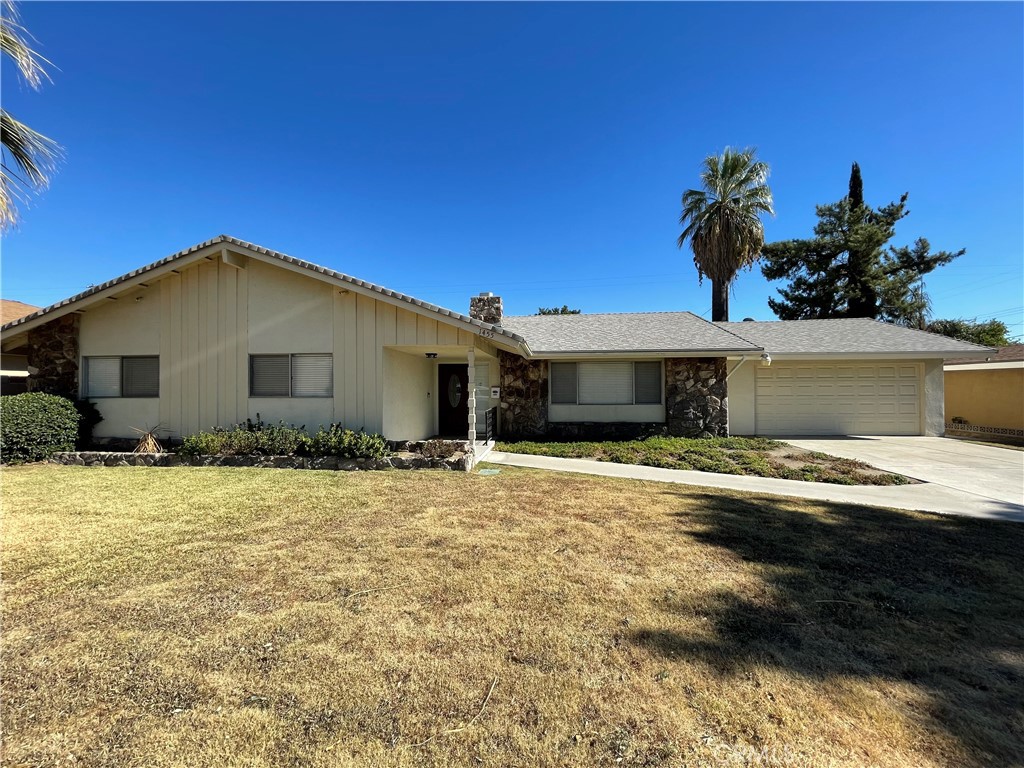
point(122, 459)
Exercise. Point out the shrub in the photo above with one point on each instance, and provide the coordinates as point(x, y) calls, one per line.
point(441, 449)
point(34, 426)
point(348, 444)
point(90, 418)
point(249, 438)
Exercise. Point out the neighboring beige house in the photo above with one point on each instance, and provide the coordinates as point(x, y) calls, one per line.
point(13, 368)
point(226, 330)
point(986, 397)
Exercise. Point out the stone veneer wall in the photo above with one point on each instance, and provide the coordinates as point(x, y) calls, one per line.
point(696, 403)
point(696, 397)
point(53, 352)
point(524, 396)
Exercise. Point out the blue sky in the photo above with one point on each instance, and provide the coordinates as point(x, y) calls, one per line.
point(535, 150)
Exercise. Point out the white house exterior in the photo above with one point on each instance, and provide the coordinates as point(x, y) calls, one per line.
point(226, 330)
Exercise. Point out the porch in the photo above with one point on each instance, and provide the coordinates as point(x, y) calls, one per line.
point(443, 391)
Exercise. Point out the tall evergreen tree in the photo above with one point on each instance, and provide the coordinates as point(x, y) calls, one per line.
point(846, 270)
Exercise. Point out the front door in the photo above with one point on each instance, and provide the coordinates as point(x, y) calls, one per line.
point(453, 400)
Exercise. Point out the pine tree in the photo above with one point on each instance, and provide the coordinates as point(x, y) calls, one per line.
point(846, 270)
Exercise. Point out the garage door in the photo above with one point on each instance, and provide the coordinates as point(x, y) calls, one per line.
point(841, 399)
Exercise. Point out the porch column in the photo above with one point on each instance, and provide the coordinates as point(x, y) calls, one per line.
point(471, 359)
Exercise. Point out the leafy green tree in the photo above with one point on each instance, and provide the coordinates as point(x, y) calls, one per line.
point(34, 156)
point(847, 270)
point(991, 333)
point(562, 310)
point(722, 220)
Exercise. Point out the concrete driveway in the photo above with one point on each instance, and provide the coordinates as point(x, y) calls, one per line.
point(987, 473)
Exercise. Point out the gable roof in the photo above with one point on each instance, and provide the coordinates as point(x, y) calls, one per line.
point(13, 310)
point(678, 333)
point(1012, 353)
point(199, 250)
point(848, 337)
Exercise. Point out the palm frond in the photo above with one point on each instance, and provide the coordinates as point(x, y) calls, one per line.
point(14, 42)
point(721, 220)
point(28, 157)
point(33, 154)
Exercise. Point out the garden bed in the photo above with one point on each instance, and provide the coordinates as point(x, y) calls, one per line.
point(399, 460)
point(752, 456)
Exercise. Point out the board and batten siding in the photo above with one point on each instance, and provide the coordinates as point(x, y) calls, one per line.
point(207, 319)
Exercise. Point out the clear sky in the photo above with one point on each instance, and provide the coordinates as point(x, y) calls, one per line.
point(535, 150)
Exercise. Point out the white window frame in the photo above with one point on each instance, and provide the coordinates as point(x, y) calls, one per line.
point(291, 373)
point(84, 384)
point(632, 400)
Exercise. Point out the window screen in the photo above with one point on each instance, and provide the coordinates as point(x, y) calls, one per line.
point(312, 376)
point(140, 376)
point(647, 383)
point(269, 376)
point(563, 383)
point(605, 383)
point(103, 377)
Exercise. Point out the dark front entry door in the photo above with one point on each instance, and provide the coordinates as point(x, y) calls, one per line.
point(453, 400)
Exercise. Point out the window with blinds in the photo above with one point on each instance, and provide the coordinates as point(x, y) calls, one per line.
point(312, 375)
point(606, 383)
point(140, 376)
point(305, 375)
point(563, 383)
point(122, 376)
point(647, 383)
point(102, 377)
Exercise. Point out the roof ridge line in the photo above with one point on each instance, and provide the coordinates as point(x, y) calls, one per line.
point(718, 324)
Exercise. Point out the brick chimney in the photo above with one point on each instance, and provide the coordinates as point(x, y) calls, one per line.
point(486, 308)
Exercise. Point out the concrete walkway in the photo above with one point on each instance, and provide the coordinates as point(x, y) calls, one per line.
point(925, 497)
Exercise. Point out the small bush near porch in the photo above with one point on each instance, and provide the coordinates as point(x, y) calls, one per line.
point(756, 456)
point(245, 617)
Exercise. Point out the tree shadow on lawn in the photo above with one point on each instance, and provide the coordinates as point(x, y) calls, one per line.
point(855, 592)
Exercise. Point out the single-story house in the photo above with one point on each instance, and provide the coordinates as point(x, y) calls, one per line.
point(986, 397)
point(226, 330)
point(13, 368)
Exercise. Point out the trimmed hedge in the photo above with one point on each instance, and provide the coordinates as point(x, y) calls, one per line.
point(35, 425)
point(347, 444)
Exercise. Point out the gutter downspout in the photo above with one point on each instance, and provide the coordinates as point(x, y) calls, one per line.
point(743, 359)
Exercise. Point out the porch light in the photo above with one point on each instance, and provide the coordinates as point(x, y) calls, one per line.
point(431, 355)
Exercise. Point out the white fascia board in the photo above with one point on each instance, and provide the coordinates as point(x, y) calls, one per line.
point(643, 354)
point(834, 356)
point(1006, 365)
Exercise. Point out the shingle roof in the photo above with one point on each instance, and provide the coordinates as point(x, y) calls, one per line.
point(228, 240)
point(848, 336)
point(13, 310)
point(675, 332)
point(1009, 354)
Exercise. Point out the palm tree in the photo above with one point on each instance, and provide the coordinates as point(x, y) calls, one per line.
point(34, 155)
point(722, 220)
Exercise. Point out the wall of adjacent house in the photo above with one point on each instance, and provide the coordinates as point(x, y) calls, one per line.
point(986, 397)
point(207, 319)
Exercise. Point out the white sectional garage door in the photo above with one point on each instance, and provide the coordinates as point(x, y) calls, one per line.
point(838, 399)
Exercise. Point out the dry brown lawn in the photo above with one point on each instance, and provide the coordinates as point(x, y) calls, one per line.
point(226, 617)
